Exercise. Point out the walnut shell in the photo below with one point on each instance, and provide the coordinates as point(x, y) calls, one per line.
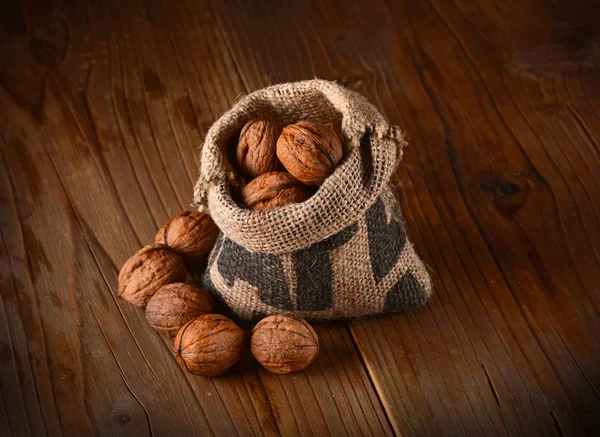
point(173, 305)
point(149, 269)
point(310, 151)
point(255, 151)
point(272, 190)
point(284, 344)
point(209, 345)
point(191, 234)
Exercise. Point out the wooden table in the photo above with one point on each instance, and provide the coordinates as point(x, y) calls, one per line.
point(104, 105)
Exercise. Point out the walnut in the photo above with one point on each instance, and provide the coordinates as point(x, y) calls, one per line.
point(173, 305)
point(272, 190)
point(310, 151)
point(256, 147)
point(145, 272)
point(191, 234)
point(209, 345)
point(283, 344)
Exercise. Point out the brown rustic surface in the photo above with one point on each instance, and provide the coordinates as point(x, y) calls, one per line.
point(103, 106)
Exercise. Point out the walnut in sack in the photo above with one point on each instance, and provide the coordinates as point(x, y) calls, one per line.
point(310, 151)
point(256, 147)
point(272, 190)
point(284, 344)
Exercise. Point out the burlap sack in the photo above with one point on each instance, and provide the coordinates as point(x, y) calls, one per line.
point(341, 254)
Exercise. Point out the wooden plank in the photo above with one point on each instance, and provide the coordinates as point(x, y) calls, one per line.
point(500, 213)
point(500, 190)
point(106, 108)
point(53, 332)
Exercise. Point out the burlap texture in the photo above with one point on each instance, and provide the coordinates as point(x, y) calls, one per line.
point(352, 226)
point(344, 196)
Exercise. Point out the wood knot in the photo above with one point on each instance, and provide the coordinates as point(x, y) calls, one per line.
point(508, 188)
point(121, 418)
point(48, 45)
point(508, 193)
point(573, 49)
point(152, 83)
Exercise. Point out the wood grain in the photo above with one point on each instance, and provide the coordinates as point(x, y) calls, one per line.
point(94, 162)
point(104, 106)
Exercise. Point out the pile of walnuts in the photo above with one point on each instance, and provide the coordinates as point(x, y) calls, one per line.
point(283, 165)
point(206, 344)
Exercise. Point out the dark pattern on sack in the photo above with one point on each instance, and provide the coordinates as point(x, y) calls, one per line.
point(406, 294)
point(313, 268)
point(386, 240)
point(314, 273)
point(262, 270)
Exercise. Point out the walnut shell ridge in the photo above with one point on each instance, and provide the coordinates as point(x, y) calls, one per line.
point(256, 148)
point(284, 344)
point(191, 235)
point(273, 190)
point(310, 151)
point(149, 269)
point(174, 305)
point(209, 345)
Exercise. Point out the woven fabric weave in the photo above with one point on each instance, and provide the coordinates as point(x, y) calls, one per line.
point(341, 254)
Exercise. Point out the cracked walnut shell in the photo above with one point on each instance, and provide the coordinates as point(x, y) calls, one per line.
point(149, 269)
point(209, 345)
point(255, 151)
point(174, 305)
point(310, 151)
point(284, 344)
point(191, 235)
point(272, 190)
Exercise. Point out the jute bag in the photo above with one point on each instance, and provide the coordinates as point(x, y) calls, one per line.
point(341, 254)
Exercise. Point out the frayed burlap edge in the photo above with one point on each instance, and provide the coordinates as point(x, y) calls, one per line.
point(372, 151)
